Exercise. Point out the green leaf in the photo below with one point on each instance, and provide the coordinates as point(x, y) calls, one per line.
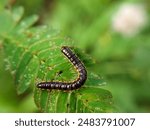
point(95, 80)
point(6, 22)
point(83, 100)
point(26, 23)
point(95, 100)
point(87, 59)
point(17, 13)
point(33, 55)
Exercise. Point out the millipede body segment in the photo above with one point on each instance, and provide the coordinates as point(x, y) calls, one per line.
point(82, 74)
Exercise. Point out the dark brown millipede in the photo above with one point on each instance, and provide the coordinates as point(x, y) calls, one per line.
point(82, 74)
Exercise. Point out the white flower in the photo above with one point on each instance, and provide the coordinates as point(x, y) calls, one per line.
point(129, 19)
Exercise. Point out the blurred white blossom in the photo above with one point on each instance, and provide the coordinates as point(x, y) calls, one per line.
point(129, 19)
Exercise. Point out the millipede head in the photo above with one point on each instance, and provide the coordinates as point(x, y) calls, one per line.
point(63, 48)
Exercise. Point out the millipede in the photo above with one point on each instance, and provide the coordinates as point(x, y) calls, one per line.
point(78, 65)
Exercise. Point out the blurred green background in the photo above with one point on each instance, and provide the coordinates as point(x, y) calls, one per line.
point(116, 33)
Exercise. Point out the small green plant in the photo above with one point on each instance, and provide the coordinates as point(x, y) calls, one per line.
point(33, 55)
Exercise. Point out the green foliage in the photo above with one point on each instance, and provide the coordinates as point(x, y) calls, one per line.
point(83, 100)
point(33, 55)
point(31, 7)
point(123, 60)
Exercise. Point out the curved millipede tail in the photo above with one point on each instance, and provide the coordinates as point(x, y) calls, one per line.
point(78, 65)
